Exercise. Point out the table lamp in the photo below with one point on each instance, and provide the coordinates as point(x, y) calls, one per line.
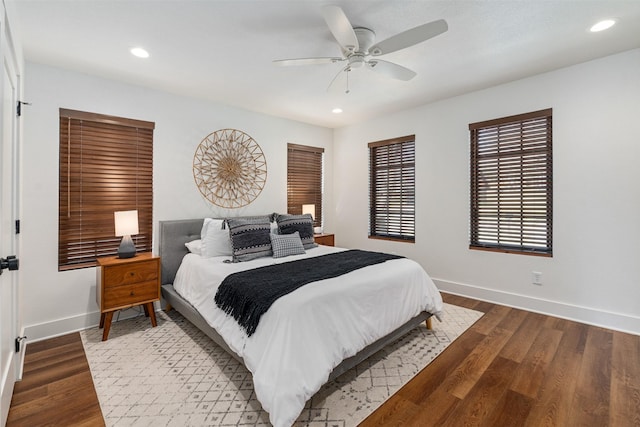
point(126, 225)
point(309, 209)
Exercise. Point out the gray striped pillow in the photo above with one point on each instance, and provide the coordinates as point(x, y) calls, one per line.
point(250, 237)
point(303, 224)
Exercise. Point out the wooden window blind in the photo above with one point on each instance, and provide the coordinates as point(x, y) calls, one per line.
point(392, 192)
point(511, 184)
point(304, 179)
point(106, 165)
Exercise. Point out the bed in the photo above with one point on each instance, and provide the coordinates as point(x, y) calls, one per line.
point(291, 361)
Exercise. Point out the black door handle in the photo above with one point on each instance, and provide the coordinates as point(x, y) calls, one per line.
point(10, 262)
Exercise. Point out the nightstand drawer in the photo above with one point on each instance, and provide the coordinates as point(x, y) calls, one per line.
point(130, 273)
point(119, 296)
point(125, 282)
point(324, 239)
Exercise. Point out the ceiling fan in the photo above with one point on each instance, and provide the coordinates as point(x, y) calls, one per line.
point(360, 50)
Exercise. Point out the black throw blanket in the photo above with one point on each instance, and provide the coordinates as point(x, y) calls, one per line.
point(247, 295)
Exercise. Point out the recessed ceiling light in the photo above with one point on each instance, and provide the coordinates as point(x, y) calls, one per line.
point(602, 25)
point(336, 110)
point(139, 52)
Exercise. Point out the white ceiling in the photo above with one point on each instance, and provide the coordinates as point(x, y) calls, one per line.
point(223, 50)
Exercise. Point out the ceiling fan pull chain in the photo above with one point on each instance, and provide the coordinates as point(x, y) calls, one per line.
point(347, 91)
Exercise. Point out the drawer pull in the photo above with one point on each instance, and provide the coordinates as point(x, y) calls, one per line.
point(131, 294)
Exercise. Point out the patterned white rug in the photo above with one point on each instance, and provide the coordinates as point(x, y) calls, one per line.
point(174, 375)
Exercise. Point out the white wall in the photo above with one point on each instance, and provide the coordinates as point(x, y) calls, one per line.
point(594, 275)
point(55, 302)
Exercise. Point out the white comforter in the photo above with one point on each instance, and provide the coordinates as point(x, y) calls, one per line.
point(308, 332)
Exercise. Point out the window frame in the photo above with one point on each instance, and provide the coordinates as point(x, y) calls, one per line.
point(511, 176)
point(305, 180)
point(396, 224)
point(105, 165)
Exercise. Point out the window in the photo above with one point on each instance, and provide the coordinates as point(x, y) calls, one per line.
point(304, 180)
point(106, 165)
point(511, 184)
point(392, 189)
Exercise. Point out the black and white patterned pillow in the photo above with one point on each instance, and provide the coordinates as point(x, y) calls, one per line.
point(303, 224)
point(286, 244)
point(249, 237)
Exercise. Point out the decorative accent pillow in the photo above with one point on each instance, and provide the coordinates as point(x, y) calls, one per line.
point(250, 237)
point(286, 244)
point(194, 246)
point(215, 239)
point(303, 224)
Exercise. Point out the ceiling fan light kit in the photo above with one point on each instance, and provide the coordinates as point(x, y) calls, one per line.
point(358, 48)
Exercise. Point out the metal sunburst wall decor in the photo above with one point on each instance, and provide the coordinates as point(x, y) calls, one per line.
point(229, 168)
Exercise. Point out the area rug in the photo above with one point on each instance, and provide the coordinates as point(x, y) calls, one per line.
point(174, 375)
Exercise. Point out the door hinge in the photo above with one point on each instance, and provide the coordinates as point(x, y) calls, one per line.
point(17, 226)
point(19, 107)
point(18, 341)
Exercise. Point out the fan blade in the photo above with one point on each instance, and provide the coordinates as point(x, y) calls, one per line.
point(390, 69)
point(340, 27)
point(306, 61)
point(409, 38)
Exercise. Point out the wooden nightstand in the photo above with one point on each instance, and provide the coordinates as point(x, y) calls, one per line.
point(324, 239)
point(124, 283)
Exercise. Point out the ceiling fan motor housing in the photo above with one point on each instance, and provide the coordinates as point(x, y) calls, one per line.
point(366, 38)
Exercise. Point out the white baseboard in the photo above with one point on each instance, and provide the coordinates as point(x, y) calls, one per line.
point(67, 325)
point(606, 319)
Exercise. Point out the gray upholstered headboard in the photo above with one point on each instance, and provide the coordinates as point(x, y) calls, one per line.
point(173, 235)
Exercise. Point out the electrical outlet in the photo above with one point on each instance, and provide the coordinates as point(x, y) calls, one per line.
point(536, 278)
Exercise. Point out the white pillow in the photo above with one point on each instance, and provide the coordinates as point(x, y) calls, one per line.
point(194, 246)
point(215, 239)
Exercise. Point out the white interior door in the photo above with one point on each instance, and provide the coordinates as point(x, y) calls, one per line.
point(9, 318)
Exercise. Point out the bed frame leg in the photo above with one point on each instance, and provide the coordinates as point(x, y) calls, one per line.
point(428, 322)
point(168, 308)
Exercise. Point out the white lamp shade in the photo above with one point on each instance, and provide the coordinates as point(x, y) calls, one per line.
point(126, 223)
point(309, 209)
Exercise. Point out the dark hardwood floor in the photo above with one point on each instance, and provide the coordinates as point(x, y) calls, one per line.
point(56, 387)
point(512, 368)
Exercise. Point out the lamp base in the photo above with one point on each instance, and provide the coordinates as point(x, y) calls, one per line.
point(126, 249)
